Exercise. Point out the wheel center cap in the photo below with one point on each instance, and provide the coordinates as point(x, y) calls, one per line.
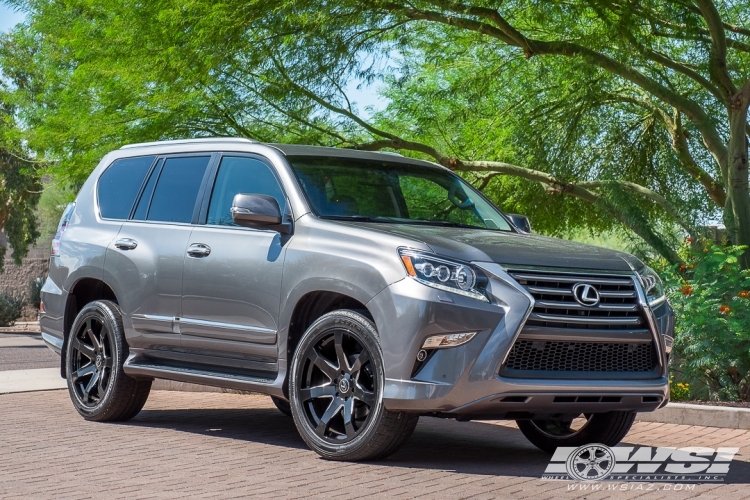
point(98, 361)
point(344, 386)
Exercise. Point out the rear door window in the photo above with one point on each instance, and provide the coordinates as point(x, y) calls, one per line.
point(119, 185)
point(177, 188)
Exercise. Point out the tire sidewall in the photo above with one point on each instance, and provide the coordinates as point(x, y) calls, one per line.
point(109, 315)
point(364, 331)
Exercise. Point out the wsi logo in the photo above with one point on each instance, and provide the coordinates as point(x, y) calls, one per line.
point(597, 462)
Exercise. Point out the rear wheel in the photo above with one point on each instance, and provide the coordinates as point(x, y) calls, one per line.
point(603, 428)
point(336, 388)
point(96, 351)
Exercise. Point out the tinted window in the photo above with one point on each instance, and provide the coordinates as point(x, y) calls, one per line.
point(119, 185)
point(240, 175)
point(142, 207)
point(177, 189)
point(393, 193)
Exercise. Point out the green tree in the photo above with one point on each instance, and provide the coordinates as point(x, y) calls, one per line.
point(622, 112)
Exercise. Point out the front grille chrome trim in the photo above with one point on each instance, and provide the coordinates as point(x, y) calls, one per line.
point(585, 320)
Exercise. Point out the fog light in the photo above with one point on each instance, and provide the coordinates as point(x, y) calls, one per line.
point(449, 340)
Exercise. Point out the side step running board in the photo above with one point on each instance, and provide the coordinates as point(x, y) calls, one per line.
point(134, 368)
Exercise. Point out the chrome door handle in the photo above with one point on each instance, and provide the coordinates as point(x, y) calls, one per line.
point(126, 244)
point(199, 250)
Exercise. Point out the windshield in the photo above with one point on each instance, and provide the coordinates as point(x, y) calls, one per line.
point(380, 191)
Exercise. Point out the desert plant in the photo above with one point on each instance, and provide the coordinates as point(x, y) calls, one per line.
point(35, 291)
point(710, 294)
point(11, 305)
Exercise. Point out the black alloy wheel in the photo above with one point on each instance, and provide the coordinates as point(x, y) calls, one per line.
point(91, 362)
point(604, 428)
point(336, 385)
point(338, 391)
point(95, 352)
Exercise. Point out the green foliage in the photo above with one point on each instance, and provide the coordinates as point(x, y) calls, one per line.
point(35, 291)
point(678, 391)
point(11, 306)
point(711, 298)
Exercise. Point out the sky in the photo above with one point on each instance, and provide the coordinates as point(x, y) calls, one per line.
point(8, 17)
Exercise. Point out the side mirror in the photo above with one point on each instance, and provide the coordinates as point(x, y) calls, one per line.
point(521, 222)
point(255, 210)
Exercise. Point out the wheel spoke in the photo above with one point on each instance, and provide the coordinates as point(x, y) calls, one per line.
point(367, 397)
point(586, 470)
point(92, 336)
point(338, 339)
point(84, 349)
point(84, 371)
point(330, 412)
point(348, 423)
point(362, 359)
point(101, 386)
point(90, 385)
point(107, 362)
point(324, 365)
point(317, 392)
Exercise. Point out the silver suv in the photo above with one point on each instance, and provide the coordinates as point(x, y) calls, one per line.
point(359, 290)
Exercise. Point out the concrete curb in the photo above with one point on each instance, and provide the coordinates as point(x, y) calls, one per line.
point(727, 417)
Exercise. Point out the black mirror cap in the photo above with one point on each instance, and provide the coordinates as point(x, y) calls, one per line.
point(521, 222)
point(253, 210)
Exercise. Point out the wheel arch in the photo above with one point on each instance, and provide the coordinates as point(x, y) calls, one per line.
point(308, 308)
point(82, 292)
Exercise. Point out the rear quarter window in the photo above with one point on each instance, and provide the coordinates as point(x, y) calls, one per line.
point(119, 186)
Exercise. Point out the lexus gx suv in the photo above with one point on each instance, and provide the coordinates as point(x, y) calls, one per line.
point(358, 290)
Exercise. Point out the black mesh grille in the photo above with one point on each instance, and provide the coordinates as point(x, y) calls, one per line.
point(542, 355)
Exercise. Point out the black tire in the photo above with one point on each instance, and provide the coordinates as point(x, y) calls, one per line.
point(95, 353)
point(370, 432)
point(282, 405)
point(602, 428)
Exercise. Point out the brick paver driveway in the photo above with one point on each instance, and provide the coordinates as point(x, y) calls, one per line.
point(226, 446)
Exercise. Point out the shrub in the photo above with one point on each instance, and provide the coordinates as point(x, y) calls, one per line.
point(679, 391)
point(710, 294)
point(11, 306)
point(35, 291)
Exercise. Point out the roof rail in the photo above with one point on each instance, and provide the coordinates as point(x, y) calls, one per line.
point(392, 153)
point(189, 141)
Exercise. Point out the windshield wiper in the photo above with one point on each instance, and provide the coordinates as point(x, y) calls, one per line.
point(357, 218)
point(445, 223)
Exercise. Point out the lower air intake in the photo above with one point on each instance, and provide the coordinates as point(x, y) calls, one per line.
point(541, 355)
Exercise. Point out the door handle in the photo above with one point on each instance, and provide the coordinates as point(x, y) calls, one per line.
point(198, 250)
point(126, 244)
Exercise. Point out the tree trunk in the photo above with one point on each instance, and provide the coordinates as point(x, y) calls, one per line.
point(737, 210)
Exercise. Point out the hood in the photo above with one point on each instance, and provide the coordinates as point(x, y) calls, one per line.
point(509, 248)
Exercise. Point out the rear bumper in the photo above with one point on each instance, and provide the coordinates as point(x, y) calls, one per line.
point(465, 381)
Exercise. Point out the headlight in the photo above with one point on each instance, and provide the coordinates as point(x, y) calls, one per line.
point(449, 275)
point(652, 285)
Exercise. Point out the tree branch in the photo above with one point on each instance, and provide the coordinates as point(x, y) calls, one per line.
point(718, 61)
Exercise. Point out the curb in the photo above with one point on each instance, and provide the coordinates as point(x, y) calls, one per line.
point(726, 417)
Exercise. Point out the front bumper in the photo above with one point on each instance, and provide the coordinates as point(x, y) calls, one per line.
point(464, 381)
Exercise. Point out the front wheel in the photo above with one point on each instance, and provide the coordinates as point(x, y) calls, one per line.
point(336, 391)
point(603, 428)
point(96, 350)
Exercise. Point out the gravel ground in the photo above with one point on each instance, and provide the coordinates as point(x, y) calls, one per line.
point(27, 357)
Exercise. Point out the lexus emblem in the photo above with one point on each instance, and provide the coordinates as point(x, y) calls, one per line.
point(585, 294)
